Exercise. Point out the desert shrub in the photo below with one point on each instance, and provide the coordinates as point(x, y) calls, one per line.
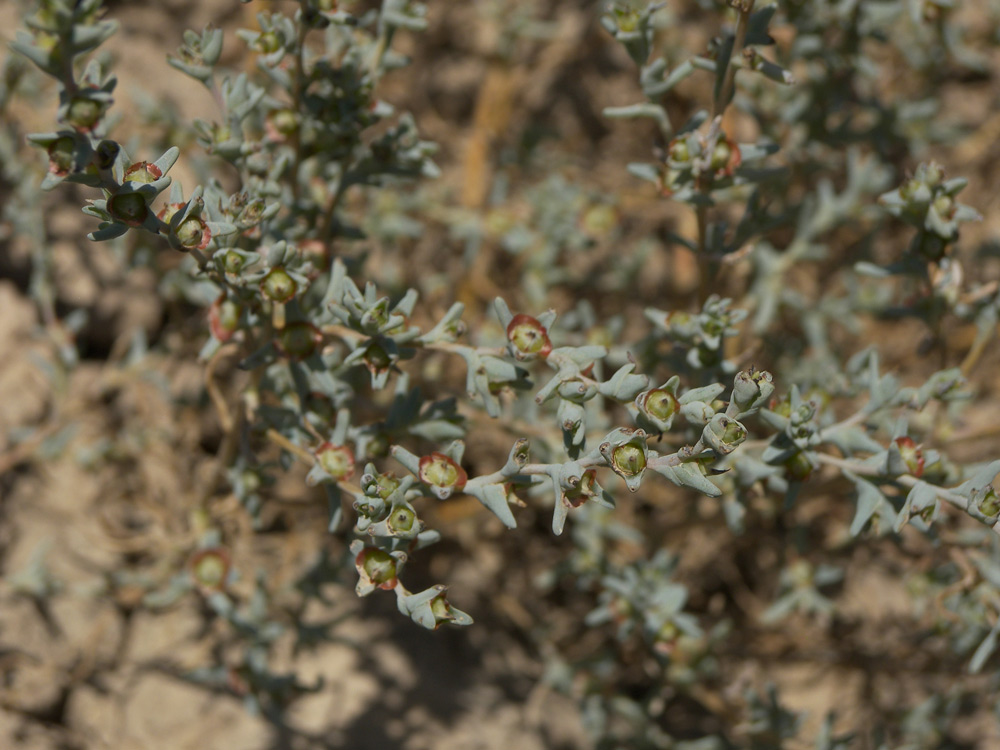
point(396, 350)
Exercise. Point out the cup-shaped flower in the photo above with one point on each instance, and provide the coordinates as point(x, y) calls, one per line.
point(376, 569)
point(528, 338)
point(585, 489)
point(431, 608)
point(129, 207)
point(224, 318)
point(143, 172)
point(298, 340)
point(626, 453)
point(336, 461)
point(799, 466)
point(723, 435)
point(659, 406)
point(442, 474)
point(726, 157)
point(210, 569)
point(987, 501)
point(751, 390)
point(62, 155)
point(278, 285)
point(911, 454)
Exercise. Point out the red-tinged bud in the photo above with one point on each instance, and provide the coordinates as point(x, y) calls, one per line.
point(528, 337)
point(335, 460)
point(376, 569)
point(144, 172)
point(443, 474)
point(281, 124)
point(210, 569)
point(62, 152)
point(726, 157)
point(912, 456)
point(224, 318)
point(193, 233)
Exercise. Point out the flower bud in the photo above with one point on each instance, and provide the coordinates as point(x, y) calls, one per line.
point(723, 435)
point(83, 113)
point(336, 460)
point(62, 155)
point(912, 456)
point(281, 123)
point(660, 405)
point(128, 208)
point(269, 41)
point(528, 338)
point(944, 206)
point(987, 501)
point(278, 285)
point(585, 489)
point(402, 520)
point(210, 569)
point(143, 172)
point(376, 569)
point(626, 453)
point(299, 340)
point(751, 390)
point(233, 262)
point(725, 157)
point(106, 153)
point(443, 474)
point(193, 233)
point(224, 318)
point(629, 459)
point(679, 150)
point(798, 466)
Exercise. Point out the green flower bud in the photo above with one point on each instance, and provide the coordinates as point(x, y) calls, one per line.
point(299, 340)
point(680, 151)
point(193, 234)
point(224, 318)
point(402, 519)
point(751, 390)
point(528, 338)
point(210, 569)
point(233, 262)
point(798, 466)
point(629, 459)
point(723, 435)
point(84, 113)
point(62, 155)
point(278, 285)
point(268, 42)
point(987, 502)
point(376, 568)
point(933, 174)
point(944, 206)
point(128, 208)
point(660, 404)
point(336, 460)
point(443, 474)
point(912, 456)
